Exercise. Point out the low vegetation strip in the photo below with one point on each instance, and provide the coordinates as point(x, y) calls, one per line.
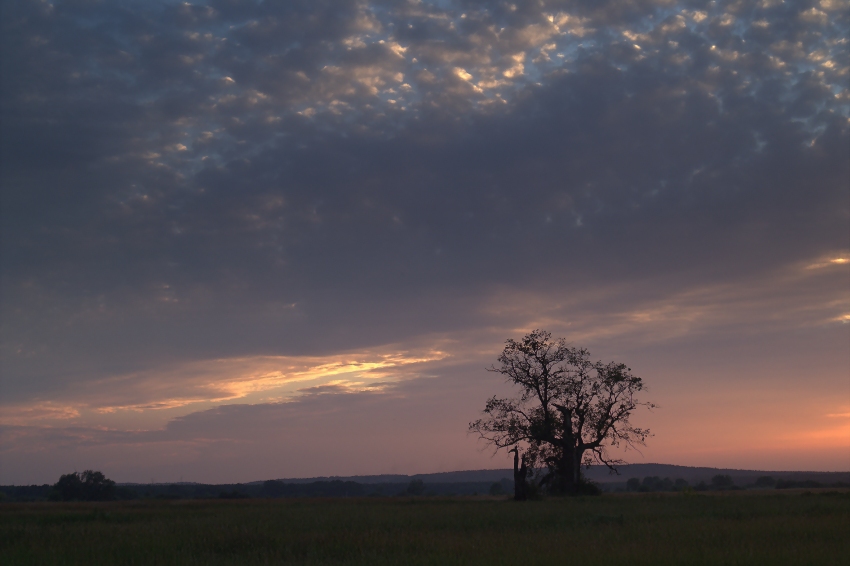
point(264, 490)
point(643, 528)
point(70, 491)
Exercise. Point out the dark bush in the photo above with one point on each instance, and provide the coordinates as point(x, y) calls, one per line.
point(791, 484)
point(654, 483)
point(415, 487)
point(125, 493)
point(273, 488)
point(722, 482)
point(587, 487)
point(233, 495)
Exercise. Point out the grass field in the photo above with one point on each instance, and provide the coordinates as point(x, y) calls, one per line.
point(731, 528)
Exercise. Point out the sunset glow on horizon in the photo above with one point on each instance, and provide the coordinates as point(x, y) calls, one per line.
point(245, 240)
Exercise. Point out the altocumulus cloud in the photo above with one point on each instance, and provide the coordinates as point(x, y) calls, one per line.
point(200, 200)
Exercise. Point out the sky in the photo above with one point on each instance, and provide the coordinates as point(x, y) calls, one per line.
point(245, 240)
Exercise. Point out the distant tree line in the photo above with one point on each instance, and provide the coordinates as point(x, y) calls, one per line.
point(94, 486)
point(720, 482)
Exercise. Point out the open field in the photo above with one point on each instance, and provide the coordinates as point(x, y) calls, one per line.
point(731, 528)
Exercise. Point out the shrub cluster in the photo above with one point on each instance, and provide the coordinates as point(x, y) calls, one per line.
point(719, 482)
point(654, 483)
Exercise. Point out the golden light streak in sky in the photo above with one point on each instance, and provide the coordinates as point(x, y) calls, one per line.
point(199, 385)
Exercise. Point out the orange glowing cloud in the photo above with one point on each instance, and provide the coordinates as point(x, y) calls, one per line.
point(38, 412)
point(203, 384)
point(830, 260)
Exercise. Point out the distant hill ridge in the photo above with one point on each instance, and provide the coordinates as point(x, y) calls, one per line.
point(598, 474)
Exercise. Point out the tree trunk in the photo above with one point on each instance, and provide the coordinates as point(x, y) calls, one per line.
point(577, 469)
point(519, 477)
point(567, 473)
point(523, 484)
point(567, 478)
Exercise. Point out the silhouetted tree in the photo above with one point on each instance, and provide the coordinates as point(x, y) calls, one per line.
point(85, 486)
point(569, 409)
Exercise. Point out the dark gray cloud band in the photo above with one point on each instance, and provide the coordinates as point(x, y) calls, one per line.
point(242, 178)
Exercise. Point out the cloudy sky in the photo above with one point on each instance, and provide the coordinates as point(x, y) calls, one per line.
point(245, 240)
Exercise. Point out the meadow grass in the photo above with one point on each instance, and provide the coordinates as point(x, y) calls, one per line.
point(733, 528)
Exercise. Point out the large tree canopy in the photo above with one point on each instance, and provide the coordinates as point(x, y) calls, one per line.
point(569, 411)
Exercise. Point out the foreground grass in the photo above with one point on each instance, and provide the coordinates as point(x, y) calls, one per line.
point(769, 528)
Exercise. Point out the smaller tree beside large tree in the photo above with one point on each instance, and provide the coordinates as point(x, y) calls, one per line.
point(569, 411)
